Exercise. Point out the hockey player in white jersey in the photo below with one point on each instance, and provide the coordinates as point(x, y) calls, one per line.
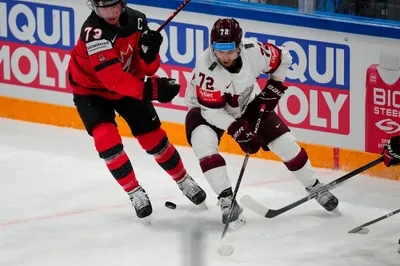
point(224, 95)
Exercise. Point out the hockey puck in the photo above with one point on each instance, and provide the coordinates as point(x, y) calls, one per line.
point(170, 205)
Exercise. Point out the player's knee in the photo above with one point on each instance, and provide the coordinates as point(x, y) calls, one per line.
point(154, 141)
point(107, 140)
point(192, 121)
point(287, 148)
point(204, 141)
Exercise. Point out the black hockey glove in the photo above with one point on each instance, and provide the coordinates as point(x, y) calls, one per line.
point(150, 42)
point(391, 152)
point(271, 94)
point(241, 133)
point(160, 89)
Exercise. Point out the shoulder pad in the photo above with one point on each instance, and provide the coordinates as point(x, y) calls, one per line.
point(248, 45)
point(137, 19)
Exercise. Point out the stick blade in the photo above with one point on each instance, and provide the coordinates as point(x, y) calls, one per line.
point(359, 230)
point(253, 205)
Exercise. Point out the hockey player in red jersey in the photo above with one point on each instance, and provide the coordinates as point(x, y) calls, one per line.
point(224, 96)
point(114, 53)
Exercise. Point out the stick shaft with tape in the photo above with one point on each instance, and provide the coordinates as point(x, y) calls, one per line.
point(171, 17)
point(246, 159)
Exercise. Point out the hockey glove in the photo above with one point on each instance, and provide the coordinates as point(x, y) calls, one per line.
point(241, 133)
point(391, 152)
point(150, 42)
point(160, 89)
point(271, 94)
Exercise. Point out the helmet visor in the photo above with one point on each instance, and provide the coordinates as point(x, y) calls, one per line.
point(106, 3)
point(224, 46)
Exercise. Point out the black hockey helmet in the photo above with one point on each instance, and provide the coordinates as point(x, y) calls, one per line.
point(94, 4)
point(226, 34)
point(107, 3)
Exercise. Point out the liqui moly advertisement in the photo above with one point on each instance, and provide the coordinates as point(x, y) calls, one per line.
point(35, 40)
point(318, 97)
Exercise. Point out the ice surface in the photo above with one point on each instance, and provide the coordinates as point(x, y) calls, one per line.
point(59, 205)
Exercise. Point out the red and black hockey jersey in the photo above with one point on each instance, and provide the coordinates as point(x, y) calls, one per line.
point(106, 62)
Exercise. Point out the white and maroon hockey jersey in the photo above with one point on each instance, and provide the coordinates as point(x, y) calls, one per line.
point(224, 96)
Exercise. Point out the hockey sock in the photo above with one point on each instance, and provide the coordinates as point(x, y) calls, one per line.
point(301, 168)
point(156, 143)
point(214, 169)
point(108, 143)
point(294, 157)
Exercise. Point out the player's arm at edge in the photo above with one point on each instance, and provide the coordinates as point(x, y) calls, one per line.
point(275, 61)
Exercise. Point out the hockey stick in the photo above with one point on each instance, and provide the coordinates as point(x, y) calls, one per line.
point(270, 213)
point(179, 9)
point(246, 159)
point(361, 227)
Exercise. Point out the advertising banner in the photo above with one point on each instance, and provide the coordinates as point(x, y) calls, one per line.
point(318, 97)
point(35, 40)
point(382, 117)
point(339, 92)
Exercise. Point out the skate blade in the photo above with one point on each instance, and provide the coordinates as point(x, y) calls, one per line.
point(203, 206)
point(235, 225)
point(336, 212)
point(146, 221)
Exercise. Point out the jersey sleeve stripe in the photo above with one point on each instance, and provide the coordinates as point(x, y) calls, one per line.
point(106, 64)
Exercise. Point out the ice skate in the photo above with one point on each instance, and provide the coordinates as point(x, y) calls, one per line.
point(325, 198)
point(192, 190)
point(236, 219)
point(141, 203)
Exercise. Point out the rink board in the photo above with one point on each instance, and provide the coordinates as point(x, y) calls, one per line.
point(320, 156)
point(327, 105)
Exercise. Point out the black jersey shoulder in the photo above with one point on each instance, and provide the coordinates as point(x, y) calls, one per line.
point(95, 28)
point(136, 19)
point(132, 22)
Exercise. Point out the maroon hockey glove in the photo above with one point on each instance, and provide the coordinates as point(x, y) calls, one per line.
point(151, 40)
point(391, 152)
point(160, 89)
point(271, 94)
point(241, 133)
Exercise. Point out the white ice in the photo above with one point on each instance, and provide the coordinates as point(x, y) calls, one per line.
point(59, 205)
